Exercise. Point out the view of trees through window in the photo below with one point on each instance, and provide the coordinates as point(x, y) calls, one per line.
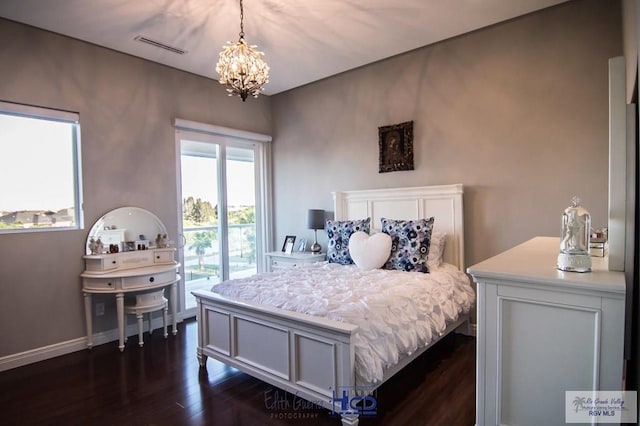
point(200, 220)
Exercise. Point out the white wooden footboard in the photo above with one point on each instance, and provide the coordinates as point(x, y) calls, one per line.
point(308, 356)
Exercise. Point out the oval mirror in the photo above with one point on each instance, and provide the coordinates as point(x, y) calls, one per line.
point(126, 225)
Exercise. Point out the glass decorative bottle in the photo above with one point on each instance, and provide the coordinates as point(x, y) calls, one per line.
point(574, 243)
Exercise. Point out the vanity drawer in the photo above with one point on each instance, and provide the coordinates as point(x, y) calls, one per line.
point(136, 259)
point(101, 263)
point(163, 256)
point(100, 283)
point(151, 279)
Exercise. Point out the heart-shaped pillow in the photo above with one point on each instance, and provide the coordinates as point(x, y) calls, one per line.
point(369, 251)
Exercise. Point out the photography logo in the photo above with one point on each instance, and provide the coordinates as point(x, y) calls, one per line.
point(283, 405)
point(286, 406)
point(362, 403)
point(601, 406)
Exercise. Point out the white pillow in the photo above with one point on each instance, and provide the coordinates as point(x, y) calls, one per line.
point(369, 251)
point(436, 249)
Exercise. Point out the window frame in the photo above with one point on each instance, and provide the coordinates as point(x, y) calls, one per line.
point(61, 116)
point(225, 137)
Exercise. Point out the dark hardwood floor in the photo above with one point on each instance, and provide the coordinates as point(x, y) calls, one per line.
point(162, 384)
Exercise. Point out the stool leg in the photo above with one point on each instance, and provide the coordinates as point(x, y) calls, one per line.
point(164, 319)
point(140, 341)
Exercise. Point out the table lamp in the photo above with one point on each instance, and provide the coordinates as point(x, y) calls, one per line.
point(315, 221)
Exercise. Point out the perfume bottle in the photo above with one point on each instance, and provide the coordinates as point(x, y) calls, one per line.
point(574, 243)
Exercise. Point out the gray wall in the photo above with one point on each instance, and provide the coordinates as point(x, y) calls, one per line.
point(517, 112)
point(126, 108)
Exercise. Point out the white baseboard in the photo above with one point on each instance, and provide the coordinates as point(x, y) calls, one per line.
point(63, 348)
point(40, 354)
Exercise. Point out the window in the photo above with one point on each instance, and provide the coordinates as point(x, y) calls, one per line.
point(39, 169)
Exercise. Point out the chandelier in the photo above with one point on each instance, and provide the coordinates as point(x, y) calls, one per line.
point(241, 68)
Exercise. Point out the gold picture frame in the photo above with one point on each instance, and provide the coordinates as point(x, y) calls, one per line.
point(395, 145)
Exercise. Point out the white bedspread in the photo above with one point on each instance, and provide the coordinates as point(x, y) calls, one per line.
point(397, 312)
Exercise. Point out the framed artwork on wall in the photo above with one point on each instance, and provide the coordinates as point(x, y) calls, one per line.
point(395, 145)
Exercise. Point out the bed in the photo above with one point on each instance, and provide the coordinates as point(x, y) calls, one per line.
point(314, 357)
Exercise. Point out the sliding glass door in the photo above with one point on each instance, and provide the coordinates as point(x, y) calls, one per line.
point(200, 224)
point(222, 188)
point(241, 212)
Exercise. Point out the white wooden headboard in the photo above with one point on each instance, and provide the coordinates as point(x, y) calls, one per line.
point(444, 202)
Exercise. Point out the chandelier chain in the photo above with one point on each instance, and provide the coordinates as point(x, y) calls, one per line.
point(241, 20)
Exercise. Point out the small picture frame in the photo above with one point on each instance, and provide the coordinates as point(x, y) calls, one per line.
point(302, 245)
point(289, 241)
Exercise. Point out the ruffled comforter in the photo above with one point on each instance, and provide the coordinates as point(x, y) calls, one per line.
point(397, 312)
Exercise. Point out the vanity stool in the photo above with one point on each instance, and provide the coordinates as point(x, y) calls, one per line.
point(147, 303)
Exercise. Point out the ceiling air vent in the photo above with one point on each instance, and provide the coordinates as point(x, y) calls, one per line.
point(161, 45)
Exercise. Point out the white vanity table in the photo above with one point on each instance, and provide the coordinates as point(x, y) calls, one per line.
point(128, 273)
point(542, 332)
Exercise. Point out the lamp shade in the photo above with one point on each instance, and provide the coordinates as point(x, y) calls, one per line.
point(315, 219)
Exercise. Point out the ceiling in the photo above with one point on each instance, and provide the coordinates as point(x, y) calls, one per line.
point(303, 40)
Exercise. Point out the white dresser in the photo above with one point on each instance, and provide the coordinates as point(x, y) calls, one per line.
point(542, 332)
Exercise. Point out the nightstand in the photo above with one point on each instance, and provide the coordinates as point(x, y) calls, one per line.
point(279, 259)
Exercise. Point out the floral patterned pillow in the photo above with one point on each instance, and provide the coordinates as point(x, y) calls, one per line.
point(410, 241)
point(338, 233)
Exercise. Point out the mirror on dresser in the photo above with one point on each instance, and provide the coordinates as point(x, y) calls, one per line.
point(124, 227)
point(127, 256)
